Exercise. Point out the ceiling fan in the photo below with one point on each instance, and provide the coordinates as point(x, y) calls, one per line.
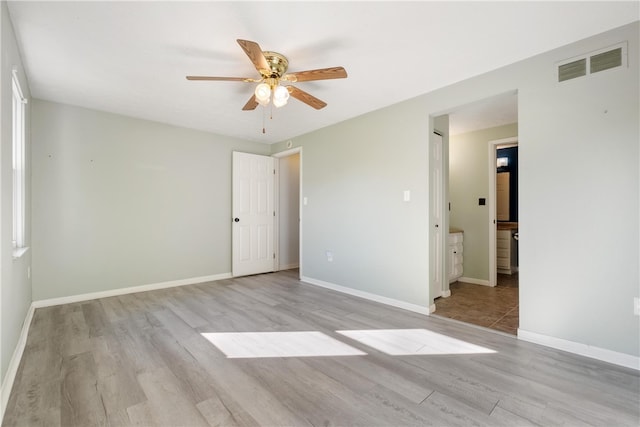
point(272, 67)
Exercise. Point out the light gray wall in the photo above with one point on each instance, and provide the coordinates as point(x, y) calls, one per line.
point(579, 185)
point(354, 175)
point(469, 181)
point(15, 286)
point(289, 209)
point(120, 202)
point(578, 191)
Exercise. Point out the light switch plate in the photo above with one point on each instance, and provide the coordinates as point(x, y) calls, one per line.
point(406, 195)
point(636, 306)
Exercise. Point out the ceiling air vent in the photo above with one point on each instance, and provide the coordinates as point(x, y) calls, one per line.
point(605, 60)
point(593, 62)
point(572, 70)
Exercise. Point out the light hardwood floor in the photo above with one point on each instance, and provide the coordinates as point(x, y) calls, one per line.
point(146, 359)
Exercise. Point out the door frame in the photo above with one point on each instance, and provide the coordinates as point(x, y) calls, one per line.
point(276, 230)
point(493, 147)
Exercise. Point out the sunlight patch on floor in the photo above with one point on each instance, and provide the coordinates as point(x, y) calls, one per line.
point(279, 344)
point(407, 342)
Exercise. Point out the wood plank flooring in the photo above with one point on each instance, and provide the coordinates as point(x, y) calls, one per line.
point(142, 359)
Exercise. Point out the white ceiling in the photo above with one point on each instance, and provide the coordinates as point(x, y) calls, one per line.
point(495, 111)
point(131, 58)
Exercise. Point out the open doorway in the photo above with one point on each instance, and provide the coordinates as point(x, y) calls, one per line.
point(503, 212)
point(288, 211)
point(474, 298)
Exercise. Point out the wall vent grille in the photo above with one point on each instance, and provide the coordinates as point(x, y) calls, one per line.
point(605, 60)
point(572, 70)
point(593, 62)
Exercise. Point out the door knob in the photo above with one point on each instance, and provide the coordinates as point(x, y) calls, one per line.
point(236, 220)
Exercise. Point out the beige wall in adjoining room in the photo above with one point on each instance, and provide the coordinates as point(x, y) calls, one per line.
point(469, 181)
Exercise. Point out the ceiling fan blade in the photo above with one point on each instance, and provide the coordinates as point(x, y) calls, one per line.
point(320, 74)
point(251, 104)
point(254, 52)
point(303, 96)
point(226, 79)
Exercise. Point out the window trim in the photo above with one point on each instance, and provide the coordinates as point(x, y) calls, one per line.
point(18, 160)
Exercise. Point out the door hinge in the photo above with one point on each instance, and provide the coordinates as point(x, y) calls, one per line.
point(274, 255)
point(274, 171)
point(274, 213)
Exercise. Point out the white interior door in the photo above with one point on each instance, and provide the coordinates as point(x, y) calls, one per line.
point(253, 214)
point(437, 221)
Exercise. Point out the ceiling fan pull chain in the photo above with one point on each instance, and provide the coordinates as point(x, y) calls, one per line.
point(264, 113)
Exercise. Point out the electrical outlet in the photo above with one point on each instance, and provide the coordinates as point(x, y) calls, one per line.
point(636, 306)
point(329, 256)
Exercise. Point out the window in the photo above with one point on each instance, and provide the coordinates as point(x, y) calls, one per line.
point(18, 166)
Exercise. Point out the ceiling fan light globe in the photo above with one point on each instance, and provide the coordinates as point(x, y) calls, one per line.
point(280, 96)
point(279, 102)
point(263, 93)
point(281, 93)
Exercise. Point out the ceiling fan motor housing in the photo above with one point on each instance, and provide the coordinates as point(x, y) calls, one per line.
point(278, 65)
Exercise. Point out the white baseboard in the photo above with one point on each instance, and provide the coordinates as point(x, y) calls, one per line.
point(14, 363)
point(446, 294)
point(366, 295)
point(130, 290)
point(586, 350)
point(289, 266)
point(474, 281)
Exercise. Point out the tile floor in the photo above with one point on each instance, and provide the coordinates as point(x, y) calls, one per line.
point(494, 308)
